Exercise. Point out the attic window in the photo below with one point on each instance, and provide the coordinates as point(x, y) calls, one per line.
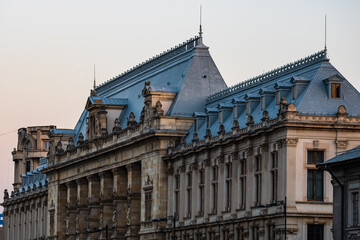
point(335, 90)
point(294, 92)
point(277, 97)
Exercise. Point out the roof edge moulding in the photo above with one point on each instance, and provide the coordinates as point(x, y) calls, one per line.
point(266, 77)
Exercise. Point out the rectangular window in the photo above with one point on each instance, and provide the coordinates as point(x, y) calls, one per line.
point(207, 121)
point(214, 186)
point(46, 145)
point(247, 108)
point(355, 208)
point(335, 90)
point(201, 190)
point(28, 166)
point(315, 232)
point(148, 205)
point(315, 185)
point(220, 117)
point(234, 111)
point(189, 189)
point(274, 176)
point(294, 92)
point(315, 176)
point(177, 195)
point(228, 183)
point(277, 97)
point(258, 180)
point(195, 125)
point(262, 103)
point(242, 184)
point(315, 157)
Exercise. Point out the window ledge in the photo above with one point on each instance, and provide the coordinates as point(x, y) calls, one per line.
point(314, 202)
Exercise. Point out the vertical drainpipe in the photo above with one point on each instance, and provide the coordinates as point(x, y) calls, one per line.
point(342, 200)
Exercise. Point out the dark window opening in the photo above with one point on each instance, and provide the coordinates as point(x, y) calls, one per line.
point(335, 90)
point(315, 232)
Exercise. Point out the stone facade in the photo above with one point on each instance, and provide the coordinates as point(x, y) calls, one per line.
point(25, 210)
point(155, 156)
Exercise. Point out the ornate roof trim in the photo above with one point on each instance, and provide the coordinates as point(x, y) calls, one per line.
point(160, 58)
point(266, 77)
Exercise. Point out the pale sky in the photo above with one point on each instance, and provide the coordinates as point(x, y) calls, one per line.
point(48, 48)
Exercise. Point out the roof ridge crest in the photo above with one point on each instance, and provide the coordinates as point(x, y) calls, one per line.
point(280, 71)
point(155, 60)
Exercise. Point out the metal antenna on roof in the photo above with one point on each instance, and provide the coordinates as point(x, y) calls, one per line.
point(325, 49)
point(94, 78)
point(200, 32)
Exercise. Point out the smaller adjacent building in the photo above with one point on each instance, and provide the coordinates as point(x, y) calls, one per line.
point(345, 172)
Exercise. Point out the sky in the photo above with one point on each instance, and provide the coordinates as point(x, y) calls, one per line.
point(48, 48)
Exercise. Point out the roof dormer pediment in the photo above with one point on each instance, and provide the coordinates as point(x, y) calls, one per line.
point(94, 101)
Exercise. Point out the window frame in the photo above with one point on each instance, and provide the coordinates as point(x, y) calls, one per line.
point(317, 175)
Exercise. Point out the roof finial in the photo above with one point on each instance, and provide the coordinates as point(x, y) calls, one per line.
point(94, 78)
point(325, 49)
point(325, 32)
point(200, 31)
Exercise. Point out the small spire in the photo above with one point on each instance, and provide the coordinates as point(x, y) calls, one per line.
point(325, 32)
point(325, 48)
point(94, 78)
point(200, 31)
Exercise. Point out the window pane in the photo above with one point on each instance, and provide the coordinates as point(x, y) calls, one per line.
point(310, 183)
point(319, 185)
point(319, 156)
point(310, 156)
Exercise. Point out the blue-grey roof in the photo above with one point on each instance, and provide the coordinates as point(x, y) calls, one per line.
point(62, 131)
point(35, 179)
point(353, 154)
point(108, 101)
point(310, 73)
point(187, 70)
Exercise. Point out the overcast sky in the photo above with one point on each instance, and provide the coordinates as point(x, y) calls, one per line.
point(48, 48)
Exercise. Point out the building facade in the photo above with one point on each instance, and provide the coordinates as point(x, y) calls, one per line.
point(345, 170)
point(157, 155)
point(25, 210)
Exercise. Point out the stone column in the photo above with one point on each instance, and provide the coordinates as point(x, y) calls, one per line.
point(133, 201)
point(71, 211)
point(106, 205)
point(93, 206)
point(119, 203)
point(81, 209)
point(61, 212)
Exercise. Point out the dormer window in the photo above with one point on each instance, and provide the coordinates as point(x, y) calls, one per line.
point(335, 90)
point(294, 92)
point(333, 86)
point(277, 97)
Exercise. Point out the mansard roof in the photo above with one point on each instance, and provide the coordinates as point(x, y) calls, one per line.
point(187, 70)
point(308, 77)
